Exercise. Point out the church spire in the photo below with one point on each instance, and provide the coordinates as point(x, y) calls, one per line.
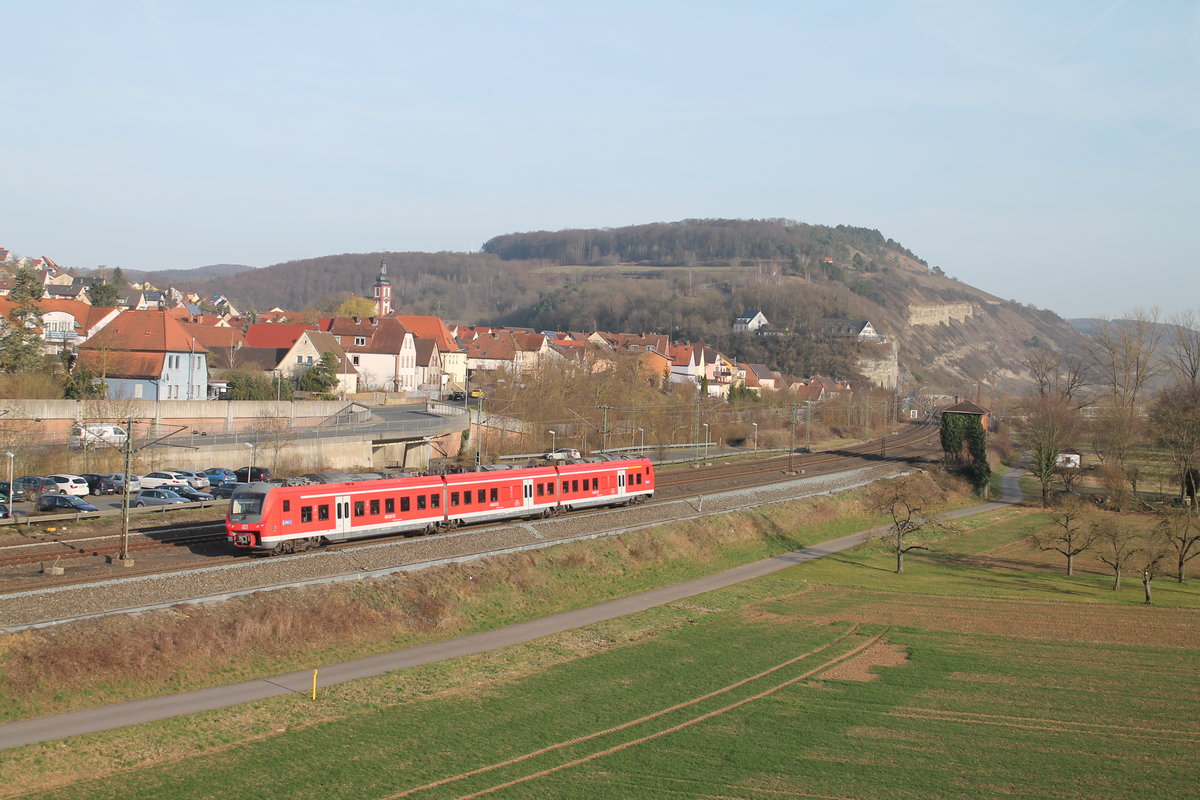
point(383, 291)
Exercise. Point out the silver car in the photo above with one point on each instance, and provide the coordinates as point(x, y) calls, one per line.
point(157, 497)
point(118, 480)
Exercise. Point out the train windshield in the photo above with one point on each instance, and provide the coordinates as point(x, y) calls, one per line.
point(245, 505)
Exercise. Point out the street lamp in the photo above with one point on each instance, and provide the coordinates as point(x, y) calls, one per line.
point(11, 455)
point(755, 424)
point(552, 435)
point(705, 424)
point(250, 469)
point(642, 444)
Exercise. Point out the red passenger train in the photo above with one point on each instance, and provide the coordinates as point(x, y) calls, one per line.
point(288, 519)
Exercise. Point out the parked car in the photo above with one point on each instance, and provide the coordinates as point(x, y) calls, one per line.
point(34, 486)
point(218, 475)
point(118, 479)
point(63, 502)
point(459, 396)
point(17, 494)
point(99, 484)
point(196, 480)
point(192, 495)
point(157, 497)
point(477, 393)
point(255, 474)
point(163, 479)
point(563, 453)
point(226, 490)
point(72, 484)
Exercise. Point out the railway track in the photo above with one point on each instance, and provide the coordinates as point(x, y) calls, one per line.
point(913, 441)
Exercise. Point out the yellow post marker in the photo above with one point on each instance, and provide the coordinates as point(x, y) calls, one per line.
point(314, 691)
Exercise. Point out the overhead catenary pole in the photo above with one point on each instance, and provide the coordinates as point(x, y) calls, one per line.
point(124, 549)
point(792, 441)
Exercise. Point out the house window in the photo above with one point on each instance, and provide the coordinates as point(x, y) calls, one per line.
point(354, 360)
point(360, 341)
point(137, 392)
point(299, 359)
point(309, 361)
point(337, 339)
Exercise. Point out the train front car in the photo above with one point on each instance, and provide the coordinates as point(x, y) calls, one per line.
point(245, 522)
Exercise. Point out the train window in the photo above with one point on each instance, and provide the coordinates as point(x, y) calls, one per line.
point(322, 512)
point(287, 505)
point(575, 485)
point(306, 513)
point(566, 486)
point(374, 508)
point(389, 505)
point(495, 494)
point(550, 488)
point(454, 498)
point(404, 504)
point(638, 476)
point(360, 508)
point(467, 497)
point(541, 490)
point(435, 501)
point(483, 495)
point(595, 483)
point(420, 502)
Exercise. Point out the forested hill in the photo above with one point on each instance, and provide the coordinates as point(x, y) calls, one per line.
point(688, 279)
point(693, 242)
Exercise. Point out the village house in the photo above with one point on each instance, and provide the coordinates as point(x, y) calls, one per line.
point(147, 355)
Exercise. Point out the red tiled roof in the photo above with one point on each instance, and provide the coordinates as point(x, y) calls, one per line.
point(122, 363)
point(144, 331)
point(267, 334)
point(426, 327)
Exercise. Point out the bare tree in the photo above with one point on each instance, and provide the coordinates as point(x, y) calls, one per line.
point(1072, 534)
point(1050, 428)
point(275, 433)
point(1181, 349)
point(910, 502)
point(1116, 541)
point(1182, 530)
point(1174, 419)
point(1125, 353)
point(1150, 559)
point(1057, 375)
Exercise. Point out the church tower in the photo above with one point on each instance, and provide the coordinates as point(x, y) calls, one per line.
point(383, 291)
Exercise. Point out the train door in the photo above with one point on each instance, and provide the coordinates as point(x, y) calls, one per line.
point(621, 483)
point(342, 509)
point(527, 493)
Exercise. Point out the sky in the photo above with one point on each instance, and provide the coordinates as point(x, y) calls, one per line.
point(1047, 153)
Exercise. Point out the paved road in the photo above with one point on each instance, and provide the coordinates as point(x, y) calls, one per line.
point(16, 734)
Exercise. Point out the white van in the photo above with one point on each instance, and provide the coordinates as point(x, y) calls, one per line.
point(97, 434)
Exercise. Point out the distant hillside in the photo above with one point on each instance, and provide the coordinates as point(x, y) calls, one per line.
point(690, 279)
point(186, 277)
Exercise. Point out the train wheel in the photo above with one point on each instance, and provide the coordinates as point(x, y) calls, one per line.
point(279, 549)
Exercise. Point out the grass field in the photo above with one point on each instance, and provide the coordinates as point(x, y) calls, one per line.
point(980, 672)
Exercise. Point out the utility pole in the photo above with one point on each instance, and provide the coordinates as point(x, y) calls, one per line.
point(792, 440)
point(479, 440)
point(883, 433)
point(604, 430)
point(123, 555)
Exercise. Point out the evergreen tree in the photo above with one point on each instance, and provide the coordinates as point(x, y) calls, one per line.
point(103, 294)
point(20, 345)
point(322, 376)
